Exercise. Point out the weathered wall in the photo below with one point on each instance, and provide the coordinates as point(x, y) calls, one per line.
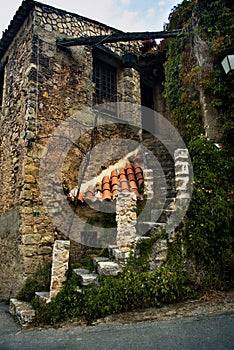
point(10, 261)
point(13, 148)
point(44, 86)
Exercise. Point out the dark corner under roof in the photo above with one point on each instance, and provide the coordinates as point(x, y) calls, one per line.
point(21, 15)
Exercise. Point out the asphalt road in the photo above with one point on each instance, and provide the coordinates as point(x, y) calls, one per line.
point(214, 332)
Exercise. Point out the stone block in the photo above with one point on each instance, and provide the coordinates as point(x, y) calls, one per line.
point(43, 297)
point(23, 312)
point(120, 256)
point(108, 268)
point(88, 278)
point(98, 259)
point(31, 239)
point(59, 266)
point(77, 272)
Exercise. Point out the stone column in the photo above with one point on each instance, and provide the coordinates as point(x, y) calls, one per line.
point(182, 175)
point(149, 183)
point(211, 116)
point(126, 219)
point(183, 182)
point(59, 266)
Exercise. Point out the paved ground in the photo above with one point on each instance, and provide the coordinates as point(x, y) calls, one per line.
point(206, 324)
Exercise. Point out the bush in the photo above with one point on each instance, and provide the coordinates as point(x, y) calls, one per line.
point(40, 282)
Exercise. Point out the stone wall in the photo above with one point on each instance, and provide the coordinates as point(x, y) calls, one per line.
point(44, 85)
point(10, 261)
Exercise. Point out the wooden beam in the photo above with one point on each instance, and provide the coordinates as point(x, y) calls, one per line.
point(116, 37)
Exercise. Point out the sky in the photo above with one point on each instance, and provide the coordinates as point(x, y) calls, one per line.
point(126, 15)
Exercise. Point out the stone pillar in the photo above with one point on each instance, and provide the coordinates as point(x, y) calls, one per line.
point(149, 183)
point(182, 175)
point(211, 116)
point(126, 219)
point(183, 182)
point(59, 266)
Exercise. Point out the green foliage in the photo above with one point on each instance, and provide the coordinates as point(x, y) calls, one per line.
point(67, 305)
point(134, 288)
point(213, 21)
point(209, 228)
point(38, 283)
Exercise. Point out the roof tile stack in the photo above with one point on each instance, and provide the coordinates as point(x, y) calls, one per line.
point(129, 178)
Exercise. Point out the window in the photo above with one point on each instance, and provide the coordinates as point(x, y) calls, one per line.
point(104, 77)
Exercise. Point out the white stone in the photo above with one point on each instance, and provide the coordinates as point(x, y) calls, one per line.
point(108, 268)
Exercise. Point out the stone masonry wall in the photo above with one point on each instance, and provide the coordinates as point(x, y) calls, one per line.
point(13, 148)
point(44, 86)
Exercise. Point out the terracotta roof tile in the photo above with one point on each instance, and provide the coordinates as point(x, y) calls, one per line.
point(106, 195)
point(129, 178)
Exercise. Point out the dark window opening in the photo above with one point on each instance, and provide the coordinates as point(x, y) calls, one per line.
point(147, 100)
point(104, 77)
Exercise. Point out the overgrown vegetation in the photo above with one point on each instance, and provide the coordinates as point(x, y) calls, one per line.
point(38, 283)
point(208, 228)
point(134, 288)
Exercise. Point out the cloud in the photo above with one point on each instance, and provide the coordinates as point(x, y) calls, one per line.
point(161, 3)
point(125, 2)
point(126, 15)
point(150, 12)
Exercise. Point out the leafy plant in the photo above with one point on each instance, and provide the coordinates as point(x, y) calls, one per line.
point(38, 283)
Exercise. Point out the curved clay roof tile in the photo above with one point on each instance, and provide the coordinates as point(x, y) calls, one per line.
point(133, 184)
point(122, 177)
point(106, 186)
point(114, 173)
point(122, 171)
point(138, 170)
point(139, 176)
point(105, 179)
point(115, 187)
point(131, 177)
point(81, 197)
point(114, 181)
point(129, 166)
point(137, 193)
point(140, 182)
point(106, 195)
point(129, 171)
point(124, 186)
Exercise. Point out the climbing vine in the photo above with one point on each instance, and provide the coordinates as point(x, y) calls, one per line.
point(208, 228)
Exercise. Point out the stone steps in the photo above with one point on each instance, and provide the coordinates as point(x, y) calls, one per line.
point(22, 311)
point(108, 268)
point(86, 278)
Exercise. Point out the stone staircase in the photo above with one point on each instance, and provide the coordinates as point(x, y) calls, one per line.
point(102, 266)
point(112, 266)
point(170, 179)
point(160, 161)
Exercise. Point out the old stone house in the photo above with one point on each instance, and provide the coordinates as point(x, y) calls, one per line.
point(41, 85)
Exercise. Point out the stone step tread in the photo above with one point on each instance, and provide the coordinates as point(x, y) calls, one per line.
point(87, 279)
point(85, 276)
point(23, 311)
point(153, 223)
point(43, 296)
point(108, 268)
point(79, 271)
point(98, 259)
